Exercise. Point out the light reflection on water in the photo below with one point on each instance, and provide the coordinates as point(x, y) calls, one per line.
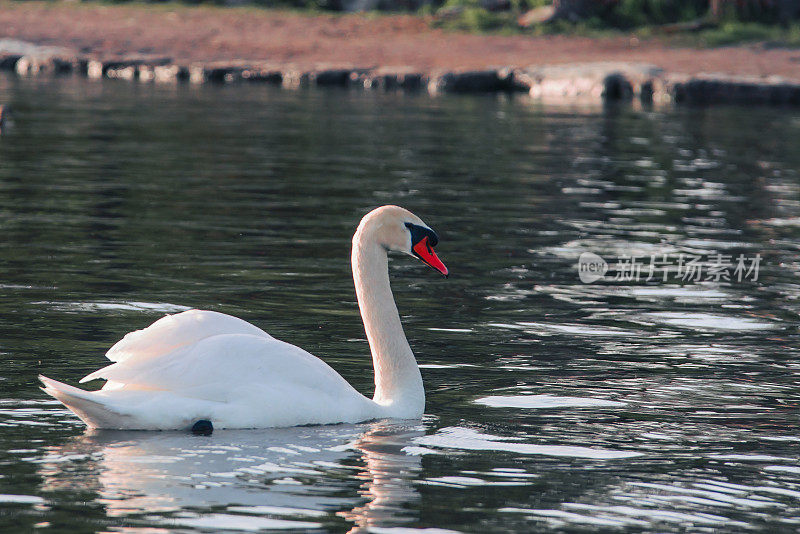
point(258, 479)
point(663, 406)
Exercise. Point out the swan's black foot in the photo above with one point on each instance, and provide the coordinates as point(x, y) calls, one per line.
point(202, 428)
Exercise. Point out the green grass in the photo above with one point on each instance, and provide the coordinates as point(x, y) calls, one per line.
point(732, 33)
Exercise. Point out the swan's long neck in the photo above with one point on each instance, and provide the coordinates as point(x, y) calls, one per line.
point(398, 383)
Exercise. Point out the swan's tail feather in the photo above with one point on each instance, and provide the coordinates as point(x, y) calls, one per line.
point(85, 404)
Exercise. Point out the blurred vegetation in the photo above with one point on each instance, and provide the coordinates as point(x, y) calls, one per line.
point(733, 32)
point(635, 13)
point(695, 22)
point(690, 22)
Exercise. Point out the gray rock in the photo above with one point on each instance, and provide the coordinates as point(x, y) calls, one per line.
point(147, 73)
point(390, 79)
point(28, 65)
point(131, 72)
point(293, 79)
point(321, 77)
point(24, 48)
point(609, 80)
point(215, 73)
point(477, 81)
point(228, 72)
point(263, 75)
point(28, 58)
point(170, 73)
point(94, 69)
point(330, 77)
point(721, 89)
point(9, 61)
point(514, 80)
point(617, 87)
point(126, 68)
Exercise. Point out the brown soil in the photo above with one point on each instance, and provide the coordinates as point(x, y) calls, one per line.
point(205, 34)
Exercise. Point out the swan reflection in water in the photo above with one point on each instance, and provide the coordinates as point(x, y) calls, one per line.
point(301, 477)
point(387, 478)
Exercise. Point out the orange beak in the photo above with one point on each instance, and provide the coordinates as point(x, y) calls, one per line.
point(425, 252)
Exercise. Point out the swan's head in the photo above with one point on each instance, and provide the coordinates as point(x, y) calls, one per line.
point(396, 228)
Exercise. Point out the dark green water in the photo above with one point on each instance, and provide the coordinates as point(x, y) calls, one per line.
point(553, 405)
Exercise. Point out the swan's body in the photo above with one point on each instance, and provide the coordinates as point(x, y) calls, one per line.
point(204, 365)
point(208, 365)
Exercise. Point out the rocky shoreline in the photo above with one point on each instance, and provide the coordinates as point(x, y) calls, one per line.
point(595, 81)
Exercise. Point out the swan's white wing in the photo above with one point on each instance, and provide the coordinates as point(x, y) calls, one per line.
point(234, 380)
point(173, 332)
point(219, 367)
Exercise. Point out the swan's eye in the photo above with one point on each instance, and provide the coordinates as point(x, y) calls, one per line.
point(419, 232)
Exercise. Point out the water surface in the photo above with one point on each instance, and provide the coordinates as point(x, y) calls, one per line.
point(631, 405)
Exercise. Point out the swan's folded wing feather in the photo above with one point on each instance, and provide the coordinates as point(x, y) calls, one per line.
point(129, 408)
point(173, 332)
point(220, 367)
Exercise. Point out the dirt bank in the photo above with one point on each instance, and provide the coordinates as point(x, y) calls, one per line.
point(190, 34)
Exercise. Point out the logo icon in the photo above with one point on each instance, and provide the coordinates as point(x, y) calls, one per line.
point(591, 267)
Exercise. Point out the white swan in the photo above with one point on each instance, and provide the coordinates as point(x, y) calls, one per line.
point(203, 365)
